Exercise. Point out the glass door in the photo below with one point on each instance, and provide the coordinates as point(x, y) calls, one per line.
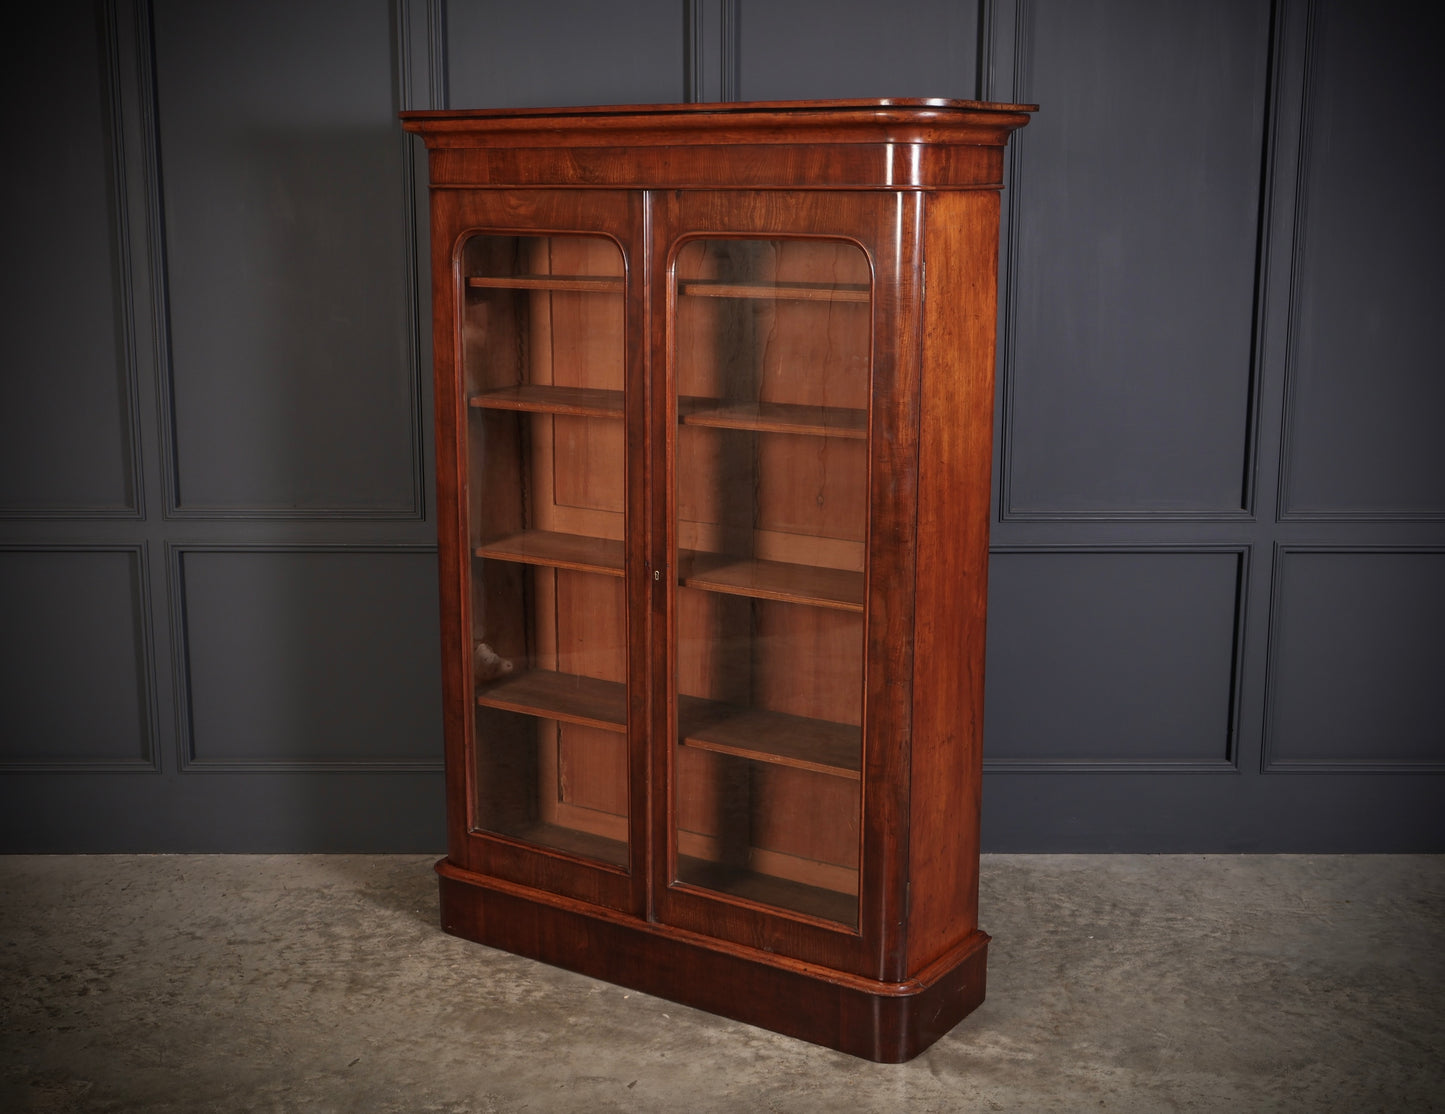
point(772, 341)
point(543, 355)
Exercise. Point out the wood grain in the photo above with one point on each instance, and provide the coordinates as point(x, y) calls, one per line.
point(773, 737)
point(589, 284)
point(586, 402)
point(788, 291)
point(771, 580)
point(562, 551)
point(774, 417)
point(560, 696)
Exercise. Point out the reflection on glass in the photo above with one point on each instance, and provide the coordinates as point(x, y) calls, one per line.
point(773, 342)
point(543, 368)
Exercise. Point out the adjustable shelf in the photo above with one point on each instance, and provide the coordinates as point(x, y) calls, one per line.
point(776, 738)
point(558, 551)
point(774, 417)
point(591, 284)
point(752, 733)
point(587, 845)
point(543, 398)
point(567, 697)
point(813, 901)
point(783, 291)
point(838, 589)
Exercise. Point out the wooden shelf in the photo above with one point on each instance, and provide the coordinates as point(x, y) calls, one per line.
point(838, 589)
point(585, 402)
point(592, 284)
point(790, 291)
point(558, 551)
point(585, 845)
point(813, 901)
point(772, 737)
point(567, 697)
point(774, 417)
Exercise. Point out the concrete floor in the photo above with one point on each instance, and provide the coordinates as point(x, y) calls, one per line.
point(1117, 983)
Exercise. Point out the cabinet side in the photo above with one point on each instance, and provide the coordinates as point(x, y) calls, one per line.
point(955, 456)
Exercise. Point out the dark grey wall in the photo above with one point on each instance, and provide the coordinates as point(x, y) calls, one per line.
point(1217, 612)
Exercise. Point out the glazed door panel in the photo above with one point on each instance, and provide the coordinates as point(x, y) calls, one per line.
point(765, 493)
point(546, 384)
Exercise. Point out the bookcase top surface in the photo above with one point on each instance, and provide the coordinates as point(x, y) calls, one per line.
point(922, 107)
point(916, 121)
point(844, 144)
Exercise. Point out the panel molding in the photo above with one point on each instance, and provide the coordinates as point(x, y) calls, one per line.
point(712, 50)
point(1007, 30)
point(1272, 765)
point(149, 763)
point(1300, 219)
point(1229, 764)
point(437, 73)
point(112, 86)
point(412, 510)
point(187, 763)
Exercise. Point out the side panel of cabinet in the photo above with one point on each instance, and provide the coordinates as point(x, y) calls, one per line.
point(540, 428)
point(954, 459)
point(783, 515)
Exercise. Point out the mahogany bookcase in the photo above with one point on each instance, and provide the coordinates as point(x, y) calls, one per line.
point(714, 402)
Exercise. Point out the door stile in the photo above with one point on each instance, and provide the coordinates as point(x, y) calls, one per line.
point(892, 548)
point(661, 413)
point(640, 672)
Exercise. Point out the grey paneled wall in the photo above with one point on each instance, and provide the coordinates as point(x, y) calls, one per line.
point(1216, 362)
point(1138, 189)
point(309, 657)
point(1131, 654)
point(286, 255)
point(77, 613)
point(857, 48)
point(1217, 590)
point(1357, 677)
point(564, 52)
point(217, 578)
point(1366, 394)
point(66, 412)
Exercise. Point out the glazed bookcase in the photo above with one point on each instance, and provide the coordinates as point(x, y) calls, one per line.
point(714, 394)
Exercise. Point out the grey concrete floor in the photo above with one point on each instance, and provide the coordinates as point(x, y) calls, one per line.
point(321, 983)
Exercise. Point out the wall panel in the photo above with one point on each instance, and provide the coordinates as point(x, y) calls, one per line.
point(1358, 660)
point(566, 52)
point(309, 658)
point(1137, 203)
point(791, 49)
point(1367, 397)
point(75, 691)
point(1097, 659)
point(66, 394)
point(286, 208)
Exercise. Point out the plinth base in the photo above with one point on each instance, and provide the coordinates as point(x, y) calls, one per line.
point(885, 1022)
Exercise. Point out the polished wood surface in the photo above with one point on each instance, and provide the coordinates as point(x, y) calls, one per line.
point(813, 145)
point(888, 1022)
point(713, 463)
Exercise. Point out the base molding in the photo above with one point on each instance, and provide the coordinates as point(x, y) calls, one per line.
point(885, 1022)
